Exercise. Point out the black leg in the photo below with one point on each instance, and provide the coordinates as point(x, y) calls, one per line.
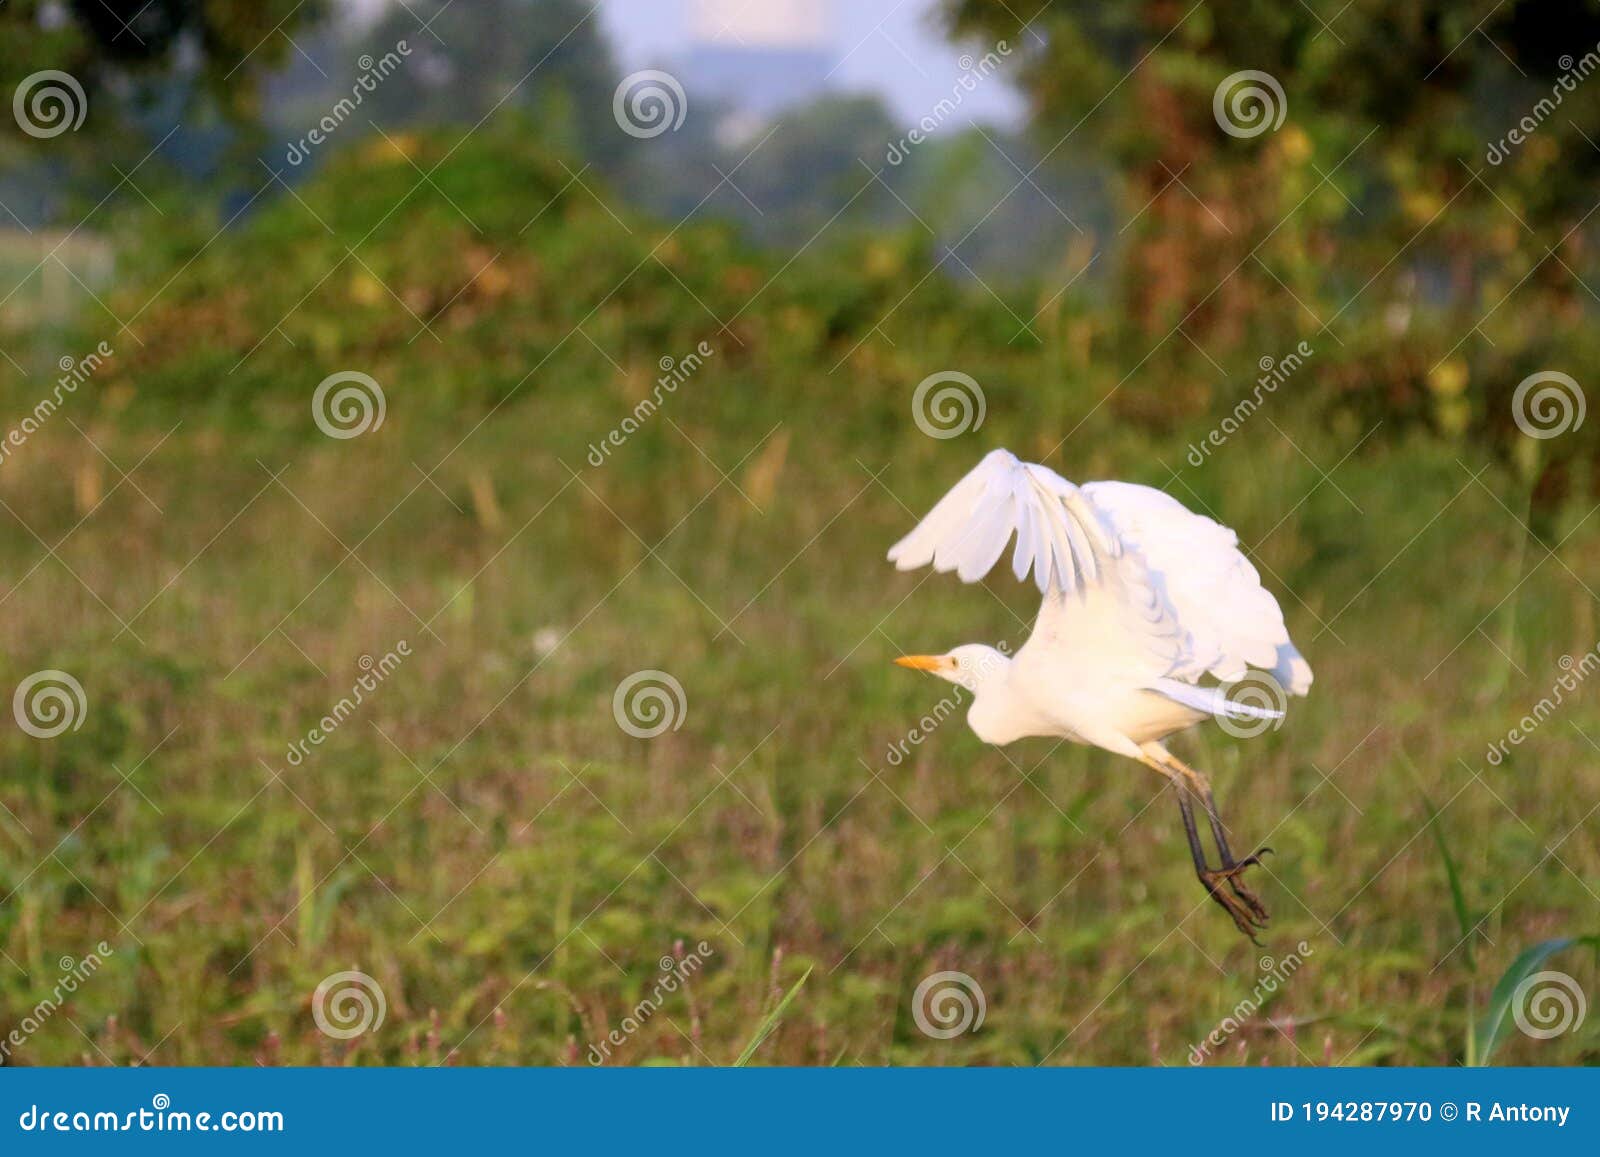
point(1242, 904)
point(1246, 915)
point(1221, 836)
point(1237, 900)
point(1217, 831)
point(1231, 868)
point(1196, 848)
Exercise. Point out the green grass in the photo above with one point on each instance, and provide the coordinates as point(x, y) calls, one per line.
point(509, 865)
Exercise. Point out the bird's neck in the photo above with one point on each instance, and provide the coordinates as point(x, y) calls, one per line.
point(998, 714)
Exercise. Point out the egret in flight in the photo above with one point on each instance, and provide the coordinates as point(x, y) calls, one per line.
point(1142, 600)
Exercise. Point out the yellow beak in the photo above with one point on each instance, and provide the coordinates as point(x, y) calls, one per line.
point(922, 662)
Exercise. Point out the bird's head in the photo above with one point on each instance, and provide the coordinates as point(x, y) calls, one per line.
point(971, 666)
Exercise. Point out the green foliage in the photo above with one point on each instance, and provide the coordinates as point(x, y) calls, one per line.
point(488, 845)
point(134, 45)
point(1390, 216)
point(1458, 898)
point(1505, 992)
point(771, 1020)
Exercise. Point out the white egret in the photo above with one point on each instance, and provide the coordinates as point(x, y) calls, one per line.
point(1142, 599)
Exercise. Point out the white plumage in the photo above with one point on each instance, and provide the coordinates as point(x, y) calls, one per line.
point(1140, 596)
point(1142, 599)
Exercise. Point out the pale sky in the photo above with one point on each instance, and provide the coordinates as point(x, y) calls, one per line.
point(892, 47)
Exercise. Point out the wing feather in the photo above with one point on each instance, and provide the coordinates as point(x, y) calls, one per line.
point(1138, 590)
point(1058, 532)
point(1233, 621)
point(1128, 573)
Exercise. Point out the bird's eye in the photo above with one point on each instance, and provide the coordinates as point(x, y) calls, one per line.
point(955, 662)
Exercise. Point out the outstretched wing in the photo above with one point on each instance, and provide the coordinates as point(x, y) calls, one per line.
point(1233, 622)
point(1129, 574)
point(1100, 605)
point(1059, 532)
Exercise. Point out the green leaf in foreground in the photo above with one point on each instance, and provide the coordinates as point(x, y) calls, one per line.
point(1524, 966)
point(1458, 896)
point(770, 1022)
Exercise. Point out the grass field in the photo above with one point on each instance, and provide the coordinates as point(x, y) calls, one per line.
point(483, 839)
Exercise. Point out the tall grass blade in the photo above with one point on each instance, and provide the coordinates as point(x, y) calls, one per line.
point(1458, 896)
point(770, 1022)
point(1494, 1019)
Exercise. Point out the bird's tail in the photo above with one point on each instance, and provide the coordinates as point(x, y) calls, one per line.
point(1213, 701)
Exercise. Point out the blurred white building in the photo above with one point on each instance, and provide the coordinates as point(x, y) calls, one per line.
point(760, 56)
point(753, 23)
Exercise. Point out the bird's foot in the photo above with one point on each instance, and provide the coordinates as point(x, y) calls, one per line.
point(1237, 900)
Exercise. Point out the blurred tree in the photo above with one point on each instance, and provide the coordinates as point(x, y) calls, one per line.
point(808, 166)
point(1420, 159)
point(548, 56)
point(222, 46)
point(1415, 90)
